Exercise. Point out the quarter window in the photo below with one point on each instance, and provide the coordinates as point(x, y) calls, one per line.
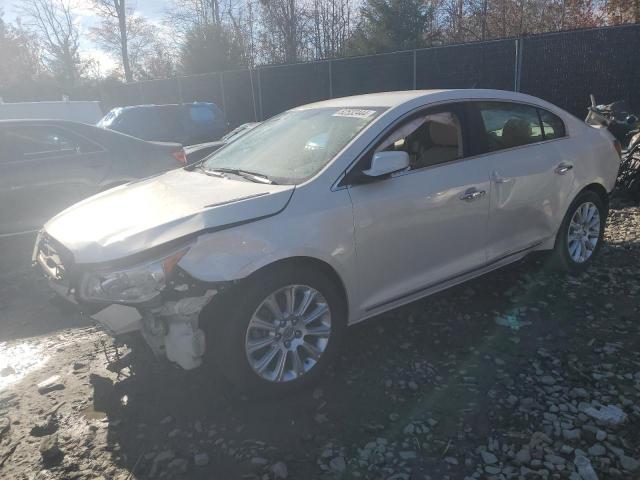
point(552, 126)
point(508, 125)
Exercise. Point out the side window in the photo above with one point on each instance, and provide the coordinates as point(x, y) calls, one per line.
point(428, 138)
point(552, 125)
point(508, 125)
point(32, 142)
point(144, 123)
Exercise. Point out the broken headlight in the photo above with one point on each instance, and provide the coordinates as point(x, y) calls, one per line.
point(135, 285)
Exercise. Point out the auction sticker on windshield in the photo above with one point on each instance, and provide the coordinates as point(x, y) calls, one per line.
point(354, 113)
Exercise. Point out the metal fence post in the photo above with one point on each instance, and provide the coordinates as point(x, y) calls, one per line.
point(415, 73)
point(515, 67)
point(330, 79)
point(517, 73)
point(253, 96)
point(260, 96)
point(179, 87)
point(224, 100)
point(520, 57)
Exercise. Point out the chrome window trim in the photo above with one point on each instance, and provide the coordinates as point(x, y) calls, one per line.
point(336, 184)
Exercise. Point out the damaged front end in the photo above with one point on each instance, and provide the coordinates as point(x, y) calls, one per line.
point(148, 292)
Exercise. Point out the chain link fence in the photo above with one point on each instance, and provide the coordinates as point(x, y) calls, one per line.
point(563, 67)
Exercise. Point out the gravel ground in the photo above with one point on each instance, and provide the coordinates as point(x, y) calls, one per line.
point(520, 374)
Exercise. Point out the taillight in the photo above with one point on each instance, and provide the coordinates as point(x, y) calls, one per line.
point(617, 146)
point(180, 156)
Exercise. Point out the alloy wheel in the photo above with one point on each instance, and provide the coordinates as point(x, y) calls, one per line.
point(288, 333)
point(584, 232)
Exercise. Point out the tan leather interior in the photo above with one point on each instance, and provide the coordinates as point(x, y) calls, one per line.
point(516, 131)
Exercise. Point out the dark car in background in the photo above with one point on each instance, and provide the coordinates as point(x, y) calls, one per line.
point(48, 165)
point(185, 123)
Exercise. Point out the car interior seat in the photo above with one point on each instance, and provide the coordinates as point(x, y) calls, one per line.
point(444, 141)
point(516, 131)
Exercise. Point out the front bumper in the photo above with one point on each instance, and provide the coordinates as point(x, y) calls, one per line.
point(170, 324)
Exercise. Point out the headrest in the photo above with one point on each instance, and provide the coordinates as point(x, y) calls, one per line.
point(443, 135)
point(516, 131)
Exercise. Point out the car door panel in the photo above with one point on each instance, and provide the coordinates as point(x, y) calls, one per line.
point(528, 174)
point(416, 228)
point(523, 198)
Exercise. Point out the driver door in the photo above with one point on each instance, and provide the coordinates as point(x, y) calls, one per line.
point(424, 226)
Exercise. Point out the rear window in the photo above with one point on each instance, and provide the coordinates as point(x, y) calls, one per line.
point(508, 125)
point(149, 123)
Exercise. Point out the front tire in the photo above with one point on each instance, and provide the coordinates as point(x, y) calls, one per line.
point(279, 330)
point(581, 233)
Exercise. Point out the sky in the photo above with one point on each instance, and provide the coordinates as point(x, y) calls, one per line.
point(151, 9)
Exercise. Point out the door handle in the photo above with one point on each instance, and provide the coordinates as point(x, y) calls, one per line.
point(563, 168)
point(472, 194)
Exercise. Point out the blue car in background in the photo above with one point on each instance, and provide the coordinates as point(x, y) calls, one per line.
point(185, 123)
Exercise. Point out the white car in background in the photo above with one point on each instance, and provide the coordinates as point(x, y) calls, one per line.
point(259, 257)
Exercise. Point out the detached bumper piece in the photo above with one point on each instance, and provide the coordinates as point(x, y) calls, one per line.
point(169, 322)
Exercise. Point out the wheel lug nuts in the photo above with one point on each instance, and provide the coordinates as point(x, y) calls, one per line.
point(298, 333)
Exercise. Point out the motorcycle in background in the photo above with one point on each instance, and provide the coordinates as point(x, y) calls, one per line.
point(617, 118)
point(625, 127)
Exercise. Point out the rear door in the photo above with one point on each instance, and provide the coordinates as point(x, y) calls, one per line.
point(530, 173)
point(43, 170)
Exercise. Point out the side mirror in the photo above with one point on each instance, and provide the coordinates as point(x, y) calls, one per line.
point(385, 163)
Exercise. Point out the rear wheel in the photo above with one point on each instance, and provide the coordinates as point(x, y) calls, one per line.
point(279, 330)
point(581, 233)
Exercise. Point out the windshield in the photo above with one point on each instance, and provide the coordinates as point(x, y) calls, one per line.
point(108, 119)
point(294, 145)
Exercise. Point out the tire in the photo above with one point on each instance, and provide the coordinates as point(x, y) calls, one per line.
point(234, 329)
point(568, 256)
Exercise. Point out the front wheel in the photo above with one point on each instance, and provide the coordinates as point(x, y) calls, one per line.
point(280, 330)
point(581, 234)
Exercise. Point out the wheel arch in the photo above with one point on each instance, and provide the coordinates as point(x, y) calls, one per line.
point(294, 262)
point(303, 261)
point(594, 187)
point(599, 190)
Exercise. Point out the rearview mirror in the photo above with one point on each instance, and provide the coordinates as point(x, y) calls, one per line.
point(385, 163)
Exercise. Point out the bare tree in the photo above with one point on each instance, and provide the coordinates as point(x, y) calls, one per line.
point(114, 13)
point(332, 26)
point(282, 30)
point(54, 24)
point(141, 41)
point(184, 15)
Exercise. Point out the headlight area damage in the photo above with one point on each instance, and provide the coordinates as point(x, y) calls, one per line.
point(152, 295)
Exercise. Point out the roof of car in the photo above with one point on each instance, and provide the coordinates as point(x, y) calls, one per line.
point(392, 99)
point(165, 105)
point(40, 121)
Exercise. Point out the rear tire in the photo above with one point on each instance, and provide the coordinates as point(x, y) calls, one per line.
point(581, 233)
point(269, 349)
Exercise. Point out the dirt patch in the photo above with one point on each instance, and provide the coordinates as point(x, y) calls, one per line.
point(520, 374)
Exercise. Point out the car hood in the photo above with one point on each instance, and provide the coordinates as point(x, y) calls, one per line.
point(135, 217)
